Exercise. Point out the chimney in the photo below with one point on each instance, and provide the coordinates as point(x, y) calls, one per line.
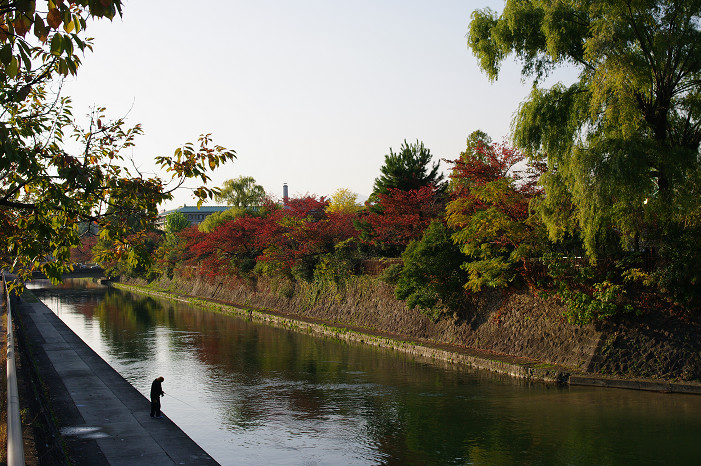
point(285, 195)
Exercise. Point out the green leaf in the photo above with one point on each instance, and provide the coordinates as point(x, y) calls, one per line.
point(6, 54)
point(25, 59)
point(12, 68)
point(79, 42)
point(68, 45)
point(62, 67)
point(56, 44)
point(39, 27)
point(77, 21)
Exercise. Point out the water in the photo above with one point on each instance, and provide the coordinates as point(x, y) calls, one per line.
point(252, 394)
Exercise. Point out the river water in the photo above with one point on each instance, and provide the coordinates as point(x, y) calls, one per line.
point(252, 394)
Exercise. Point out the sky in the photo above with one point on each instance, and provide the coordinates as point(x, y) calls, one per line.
point(312, 93)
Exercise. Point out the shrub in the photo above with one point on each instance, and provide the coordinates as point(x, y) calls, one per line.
point(431, 278)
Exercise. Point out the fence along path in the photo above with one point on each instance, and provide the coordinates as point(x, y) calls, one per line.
point(15, 445)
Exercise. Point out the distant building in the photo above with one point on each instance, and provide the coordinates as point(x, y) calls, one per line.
point(194, 215)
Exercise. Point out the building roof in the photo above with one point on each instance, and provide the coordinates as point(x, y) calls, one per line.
point(192, 209)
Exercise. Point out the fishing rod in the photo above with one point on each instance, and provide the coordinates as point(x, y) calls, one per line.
point(185, 402)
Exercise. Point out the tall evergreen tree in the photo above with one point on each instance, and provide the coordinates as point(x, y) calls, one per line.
point(408, 169)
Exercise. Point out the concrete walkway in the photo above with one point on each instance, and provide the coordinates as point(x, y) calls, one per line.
point(103, 419)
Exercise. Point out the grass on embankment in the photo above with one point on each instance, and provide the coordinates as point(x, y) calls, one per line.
point(514, 324)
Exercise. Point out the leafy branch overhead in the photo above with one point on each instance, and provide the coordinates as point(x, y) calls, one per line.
point(190, 162)
point(48, 37)
point(50, 189)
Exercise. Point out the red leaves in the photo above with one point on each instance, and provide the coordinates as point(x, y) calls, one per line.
point(305, 230)
point(401, 216)
point(283, 236)
point(82, 254)
point(22, 25)
point(54, 18)
point(498, 176)
point(489, 212)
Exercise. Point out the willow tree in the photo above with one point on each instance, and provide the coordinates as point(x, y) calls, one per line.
point(621, 142)
point(241, 192)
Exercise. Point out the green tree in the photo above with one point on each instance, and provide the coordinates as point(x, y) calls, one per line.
point(241, 192)
point(622, 142)
point(216, 219)
point(431, 277)
point(46, 191)
point(175, 223)
point(408, 169)
point(170, 250)
point(477, 141)
point(489, 213)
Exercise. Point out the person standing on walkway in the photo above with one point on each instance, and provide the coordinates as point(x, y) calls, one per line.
point(156, 394)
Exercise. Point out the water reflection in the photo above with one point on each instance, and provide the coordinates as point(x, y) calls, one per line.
point(253, 394)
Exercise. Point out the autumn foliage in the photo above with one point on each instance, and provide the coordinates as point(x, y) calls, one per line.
point(400, 217)
point(489, 211)
point(280, 238)
point(482, 232)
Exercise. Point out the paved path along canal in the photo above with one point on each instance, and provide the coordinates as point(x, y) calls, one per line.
point(103, 419)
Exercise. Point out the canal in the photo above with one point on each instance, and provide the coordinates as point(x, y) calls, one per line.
point(253, 394)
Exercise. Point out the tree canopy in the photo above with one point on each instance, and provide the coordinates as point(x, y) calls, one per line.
point(622, 142)
point(46, 190)
point(343, 200)
point(241, 192)
point(176, 222)
point(408, 169)
point(489, 213)
point(215, 219)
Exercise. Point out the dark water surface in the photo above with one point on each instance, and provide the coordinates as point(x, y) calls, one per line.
point(252, 394)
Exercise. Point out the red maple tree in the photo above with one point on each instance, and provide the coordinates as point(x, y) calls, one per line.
point(399, 216)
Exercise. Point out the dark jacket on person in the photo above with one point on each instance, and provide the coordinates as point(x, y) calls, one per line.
point(156, 390)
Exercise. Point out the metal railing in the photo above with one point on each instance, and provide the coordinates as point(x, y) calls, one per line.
point(15, 444)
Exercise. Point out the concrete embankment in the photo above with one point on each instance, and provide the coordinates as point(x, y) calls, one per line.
point(101, 417)
point(516, 366)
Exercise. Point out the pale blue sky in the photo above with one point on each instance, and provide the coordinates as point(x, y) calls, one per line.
point(310, 93)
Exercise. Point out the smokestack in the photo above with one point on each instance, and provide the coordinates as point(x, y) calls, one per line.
point(285, 196)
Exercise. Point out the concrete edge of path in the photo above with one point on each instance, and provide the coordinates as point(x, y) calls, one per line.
point(102, 418)
point(514, 366)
